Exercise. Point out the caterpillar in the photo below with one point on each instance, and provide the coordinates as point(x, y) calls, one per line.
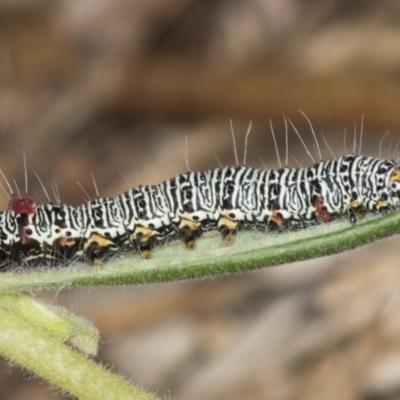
point(184, 207)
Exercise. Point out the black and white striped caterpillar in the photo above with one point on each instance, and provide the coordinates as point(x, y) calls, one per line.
point(226, 199)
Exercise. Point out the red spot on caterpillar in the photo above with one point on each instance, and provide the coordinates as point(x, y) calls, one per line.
point(321, 210)
point(22, 204)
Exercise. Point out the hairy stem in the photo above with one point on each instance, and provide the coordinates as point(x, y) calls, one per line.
point(250, 250)
point(59, 364)
point(35, 343)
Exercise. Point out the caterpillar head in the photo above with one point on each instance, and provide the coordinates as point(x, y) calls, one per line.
point(22, 204)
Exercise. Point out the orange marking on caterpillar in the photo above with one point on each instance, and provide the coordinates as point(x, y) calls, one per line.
point(321, 210)
point(395, 177)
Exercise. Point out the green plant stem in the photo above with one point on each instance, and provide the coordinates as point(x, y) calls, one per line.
point(37, 350)
point(250, 250)
point(36, 313)
point(59, 364)
point(54, 320)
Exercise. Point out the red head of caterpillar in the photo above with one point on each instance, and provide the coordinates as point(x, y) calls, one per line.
point(22, 204)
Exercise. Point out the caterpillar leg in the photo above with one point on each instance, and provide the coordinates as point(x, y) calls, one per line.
point(356, 212)
point(352, 216)
point(143, 239)
point(320, 209)
point(65, 247)
point(228, 228)
point(96, 246)
point(189, 231)
point(276, 221)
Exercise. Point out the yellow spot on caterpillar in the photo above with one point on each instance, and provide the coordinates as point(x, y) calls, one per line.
point(354, 203)
point(395, 177)
point(142, 234)
point(228, 223)
point(64, 241)
point(99, 239)
point(187, 223)
point(381, 203)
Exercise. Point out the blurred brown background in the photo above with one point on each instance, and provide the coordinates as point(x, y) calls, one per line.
point(116, 85)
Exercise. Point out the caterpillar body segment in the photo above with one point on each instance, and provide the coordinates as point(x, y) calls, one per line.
point(186, 206)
